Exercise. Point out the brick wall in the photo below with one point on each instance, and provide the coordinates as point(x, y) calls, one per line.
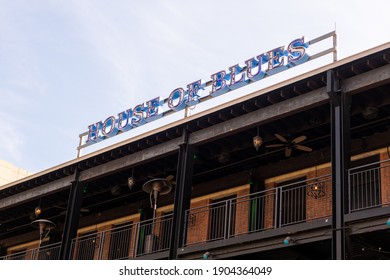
point(199, 217)
point(198, 222)
point(242, 212)
point(269, 215)
point(322, 205)
point(385, 179)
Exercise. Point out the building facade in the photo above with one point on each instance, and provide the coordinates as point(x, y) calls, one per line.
point(10, 173)
point(299, 170)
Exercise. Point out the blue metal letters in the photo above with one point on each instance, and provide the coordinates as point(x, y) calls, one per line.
point(255, 69)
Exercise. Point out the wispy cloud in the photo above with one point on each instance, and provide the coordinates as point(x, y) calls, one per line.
point(110, 40)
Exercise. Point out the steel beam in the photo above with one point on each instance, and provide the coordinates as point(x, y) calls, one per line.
point(37, 192)
point(182, 196)
point(130, 160)
point(340, 160)
point(367, 80)
point(72, 217)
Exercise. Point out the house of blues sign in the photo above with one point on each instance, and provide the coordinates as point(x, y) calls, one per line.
point(253, 69)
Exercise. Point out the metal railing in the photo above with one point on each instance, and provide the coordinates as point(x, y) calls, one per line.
point(154, 235)
point(366, 184)
point(128, 241)
point(285, 205)
point(47, 252)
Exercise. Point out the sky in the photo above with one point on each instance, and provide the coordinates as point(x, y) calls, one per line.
point(67, 64)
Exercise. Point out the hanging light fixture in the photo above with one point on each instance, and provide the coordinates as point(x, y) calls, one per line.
point(37, 211)
point(257, 140)
point(131, 180)
point(316, 189)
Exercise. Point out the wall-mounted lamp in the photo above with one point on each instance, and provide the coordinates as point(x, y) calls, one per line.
point(388, 222)
point(206, 255)
point(288, 240)
point(316, 189)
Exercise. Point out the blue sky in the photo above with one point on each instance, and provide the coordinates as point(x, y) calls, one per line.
point(67, 64)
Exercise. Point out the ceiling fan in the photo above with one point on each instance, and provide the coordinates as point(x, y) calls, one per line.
point(82, 210)
point(289, 145)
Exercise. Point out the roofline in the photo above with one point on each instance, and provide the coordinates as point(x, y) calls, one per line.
point(246, 97)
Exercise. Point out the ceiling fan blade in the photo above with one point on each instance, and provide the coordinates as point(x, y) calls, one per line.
point(82, 210)
point(281, 138)
point(287, 153)
point(299, 139)
point(275, 145)
point(169, 177)
point(303, 148)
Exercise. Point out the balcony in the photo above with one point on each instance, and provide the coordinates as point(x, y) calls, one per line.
point(124, 242)
point(294, 203)
point(48, 252)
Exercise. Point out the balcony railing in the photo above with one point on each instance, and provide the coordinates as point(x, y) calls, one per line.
point(128, 241)
point(153, 235)
point(48, 252)
point(278, 207)
point(369, 186)
point(299, 202)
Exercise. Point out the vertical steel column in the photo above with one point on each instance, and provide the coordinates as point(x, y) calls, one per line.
point(72, 216)
point(182, 195)
point(340, 141)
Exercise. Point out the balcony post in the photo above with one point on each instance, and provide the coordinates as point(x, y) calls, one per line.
point(182, 195)
point(340, 148)
point(72, 216)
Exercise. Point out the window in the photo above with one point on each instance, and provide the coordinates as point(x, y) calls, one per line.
point(365, 183)
point(222, 218)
